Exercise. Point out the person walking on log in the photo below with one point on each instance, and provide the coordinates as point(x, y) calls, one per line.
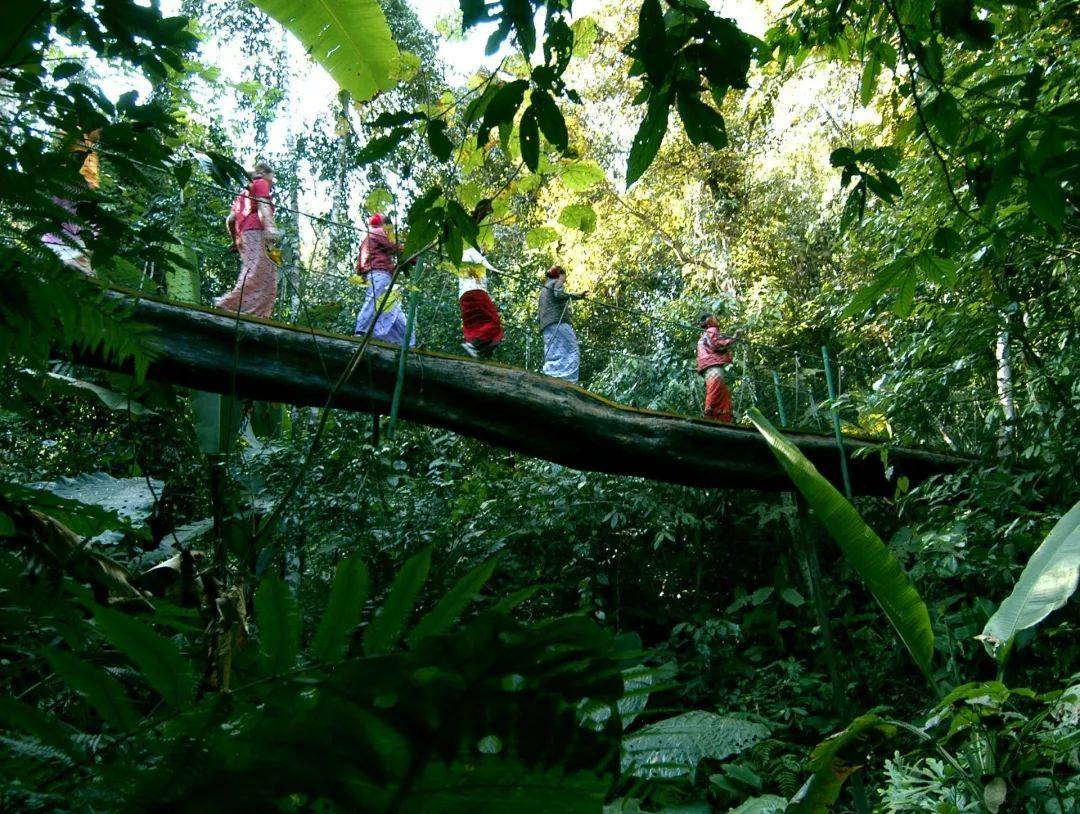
point(480, 322)
point(713, 353)
point(562, 354)
point(376, 265)
point(251, 225)
point(68, 245)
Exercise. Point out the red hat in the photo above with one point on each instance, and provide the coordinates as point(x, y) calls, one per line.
point(376, 219)
point(555, 271)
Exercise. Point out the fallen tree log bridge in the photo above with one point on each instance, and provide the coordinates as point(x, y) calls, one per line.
point(507, 407)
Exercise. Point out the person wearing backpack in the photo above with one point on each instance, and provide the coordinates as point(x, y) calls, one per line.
point(251, 226)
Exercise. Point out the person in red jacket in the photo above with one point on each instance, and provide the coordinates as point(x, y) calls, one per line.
point(378, 259)
point(713, 352)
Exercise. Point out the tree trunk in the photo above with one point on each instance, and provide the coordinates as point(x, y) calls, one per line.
point(1005, 392)
point(535, 415)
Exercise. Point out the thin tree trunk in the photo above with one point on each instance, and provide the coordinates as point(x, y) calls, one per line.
point(1005, 392)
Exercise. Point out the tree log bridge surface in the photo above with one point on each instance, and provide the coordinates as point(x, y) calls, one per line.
point(538, 416)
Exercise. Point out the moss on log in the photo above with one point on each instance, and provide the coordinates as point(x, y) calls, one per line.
point(507, 407)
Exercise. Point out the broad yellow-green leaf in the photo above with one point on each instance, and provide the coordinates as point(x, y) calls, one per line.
point(349, 38)
point(578, 216)
point(869, 80)
point(537, 237)
point(378, 200)
point(581, 175)
point(862, 548)
point(1048, 580)
point(585, 30)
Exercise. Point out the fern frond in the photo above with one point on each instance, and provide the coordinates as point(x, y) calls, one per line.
point(35, 750)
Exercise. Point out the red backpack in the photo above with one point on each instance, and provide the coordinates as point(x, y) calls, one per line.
point(242, 206)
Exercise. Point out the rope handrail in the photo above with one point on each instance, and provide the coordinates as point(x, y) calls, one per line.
point(746, 383)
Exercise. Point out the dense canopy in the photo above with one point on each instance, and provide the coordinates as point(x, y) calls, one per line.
point(248, 567)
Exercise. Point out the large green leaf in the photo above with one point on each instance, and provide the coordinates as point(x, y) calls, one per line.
point(529, 135)
point(1048, 580)
point(1047, 199)
point(132, 499)
point(862, 548)
point(386, 628)
point(441, 145)
point(703, 124)
point(585, 30)
point(897, 274)
point(101, 690)
point(830, 768)
point(540, 236)
point(550, 119)
point(869, 81)
point(349, 38)
point(578, 216)
point(765, 804)
point(279, 625)
point(22, 25)
point(501, 109)
point(342, 610)
point(46, 728)
point(86, 520)
point(157, 658)
point(216, 418)
point(674, 747)
point(652, 42)
point(449, 608)
point(581, 175)
point(184, 283)
point(649, 137)
point(638, 682)
point(117, 402)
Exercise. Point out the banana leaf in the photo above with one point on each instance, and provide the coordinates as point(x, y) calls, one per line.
point(1048, 580)
point(861, 547)
point(349, 38)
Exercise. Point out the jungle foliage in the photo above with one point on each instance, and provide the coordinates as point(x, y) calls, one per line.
point(207, 605)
